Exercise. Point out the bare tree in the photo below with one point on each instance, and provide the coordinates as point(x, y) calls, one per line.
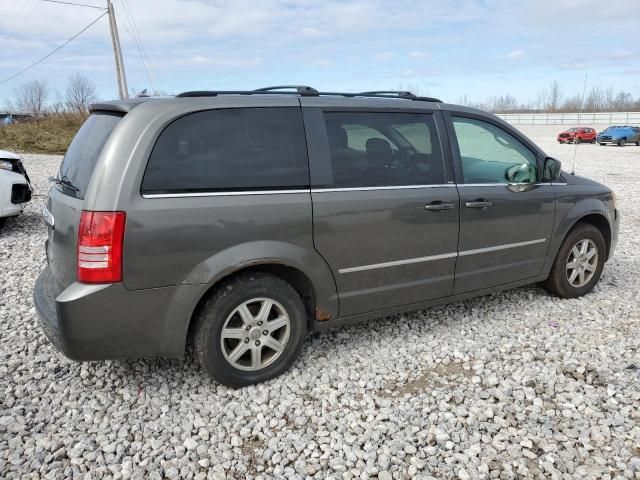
point(595, 101)
point(504, 103)
point(572, 104)
point(554, 97)
point(79, 94)
point(31, 98)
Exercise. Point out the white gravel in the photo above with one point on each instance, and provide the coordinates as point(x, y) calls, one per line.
point(514, 385)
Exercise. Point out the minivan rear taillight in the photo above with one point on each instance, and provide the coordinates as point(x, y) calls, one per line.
point(100, 239)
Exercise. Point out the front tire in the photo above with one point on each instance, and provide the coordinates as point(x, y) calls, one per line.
point(251, 329)
point(622, 142)
point(578, 140)
point(579, 263)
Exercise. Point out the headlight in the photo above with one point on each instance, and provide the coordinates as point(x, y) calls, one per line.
point(6, 165)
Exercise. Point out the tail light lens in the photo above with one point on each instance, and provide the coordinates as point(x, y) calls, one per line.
point(100, 240)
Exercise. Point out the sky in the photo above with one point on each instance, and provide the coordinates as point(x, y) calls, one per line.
point(447, 49)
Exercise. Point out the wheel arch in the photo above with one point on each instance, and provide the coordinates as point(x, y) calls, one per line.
point(599, 221)
point(579, 214)
point(304, 270)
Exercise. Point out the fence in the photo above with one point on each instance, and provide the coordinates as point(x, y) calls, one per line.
point(599, 118)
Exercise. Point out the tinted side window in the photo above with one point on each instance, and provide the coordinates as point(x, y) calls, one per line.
point(383, 149)
point(491, 155)
point(230, 149)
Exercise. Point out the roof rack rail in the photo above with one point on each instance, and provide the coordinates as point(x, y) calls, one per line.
point(303, 90)
point(397, 93)
point(306, 91)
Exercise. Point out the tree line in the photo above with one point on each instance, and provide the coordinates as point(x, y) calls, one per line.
point(551, 99)
point(37, 99)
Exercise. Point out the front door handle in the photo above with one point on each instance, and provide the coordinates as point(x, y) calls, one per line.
point(438, 206)
point(478, 204)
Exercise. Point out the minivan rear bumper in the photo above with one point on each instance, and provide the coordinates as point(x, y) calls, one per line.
point(103, 322)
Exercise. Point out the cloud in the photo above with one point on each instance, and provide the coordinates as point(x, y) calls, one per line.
point(515, 54)
point(244, 42)
point(310, 31)
point(384, 56)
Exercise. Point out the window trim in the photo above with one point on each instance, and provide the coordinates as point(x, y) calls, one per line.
point(496, 122)
point(320, 166)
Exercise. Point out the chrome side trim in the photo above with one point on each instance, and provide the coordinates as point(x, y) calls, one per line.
point(539, 184)
point(221, 194)
point(393, 187)
point(440, 257)
point(506, 246)
point(398, 262)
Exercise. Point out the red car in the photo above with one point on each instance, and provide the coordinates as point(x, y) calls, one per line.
point(578, 135)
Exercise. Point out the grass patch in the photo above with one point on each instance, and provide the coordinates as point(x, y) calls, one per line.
point(50, 135)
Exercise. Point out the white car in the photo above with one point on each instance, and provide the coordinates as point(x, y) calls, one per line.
point(15, 186)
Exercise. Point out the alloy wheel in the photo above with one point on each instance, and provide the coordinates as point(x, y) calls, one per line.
point(255, 334)
point(582, 263)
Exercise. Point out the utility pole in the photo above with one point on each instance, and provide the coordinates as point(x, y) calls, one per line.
point(117, 52)
point(123, 91)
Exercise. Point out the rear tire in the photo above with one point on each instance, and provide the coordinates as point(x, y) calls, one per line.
point(562, 281)
point(251, 329)
point(593, 141)
point(2, 221)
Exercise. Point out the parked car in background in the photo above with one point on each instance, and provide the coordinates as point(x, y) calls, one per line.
point(15, 187)
point(237, 222)
point(578, 135)
point(619, 135)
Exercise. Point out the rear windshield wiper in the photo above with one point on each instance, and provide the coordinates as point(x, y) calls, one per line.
point(65, 182)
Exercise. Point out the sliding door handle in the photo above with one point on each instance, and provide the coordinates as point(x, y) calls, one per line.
point(478, 204)
point(438, 206)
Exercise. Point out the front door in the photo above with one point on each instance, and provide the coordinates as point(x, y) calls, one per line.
point(506, 214)
point(385, 218)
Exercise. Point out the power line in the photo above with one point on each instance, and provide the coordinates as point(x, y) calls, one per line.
point(75, 4)
point(20, 15)
point(137, 41)
point(53, 51)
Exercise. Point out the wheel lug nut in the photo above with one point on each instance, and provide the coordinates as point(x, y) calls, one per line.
point(248, 328)
point(246, 340)
point(257, 343)
point(265, 332)
point(259, 323)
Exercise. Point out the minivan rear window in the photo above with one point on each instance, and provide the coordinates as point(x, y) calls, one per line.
point(238, 149)
point(81, 157)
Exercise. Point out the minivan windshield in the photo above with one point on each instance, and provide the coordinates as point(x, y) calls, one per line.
point(82, 155)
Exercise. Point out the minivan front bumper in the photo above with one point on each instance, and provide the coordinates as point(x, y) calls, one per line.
point(103, 322)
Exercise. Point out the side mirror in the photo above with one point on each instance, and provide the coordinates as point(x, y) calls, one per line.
point(552, 169)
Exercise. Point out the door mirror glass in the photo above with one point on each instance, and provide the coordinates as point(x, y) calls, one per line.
point(552, 169)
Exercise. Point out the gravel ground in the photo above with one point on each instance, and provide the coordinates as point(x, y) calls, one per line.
point(513, 385)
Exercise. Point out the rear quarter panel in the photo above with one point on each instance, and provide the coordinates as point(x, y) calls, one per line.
point(198, 240)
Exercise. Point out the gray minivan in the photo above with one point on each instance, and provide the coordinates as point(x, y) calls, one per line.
point(238, 221)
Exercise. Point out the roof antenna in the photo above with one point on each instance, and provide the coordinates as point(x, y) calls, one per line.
point(575, 143)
